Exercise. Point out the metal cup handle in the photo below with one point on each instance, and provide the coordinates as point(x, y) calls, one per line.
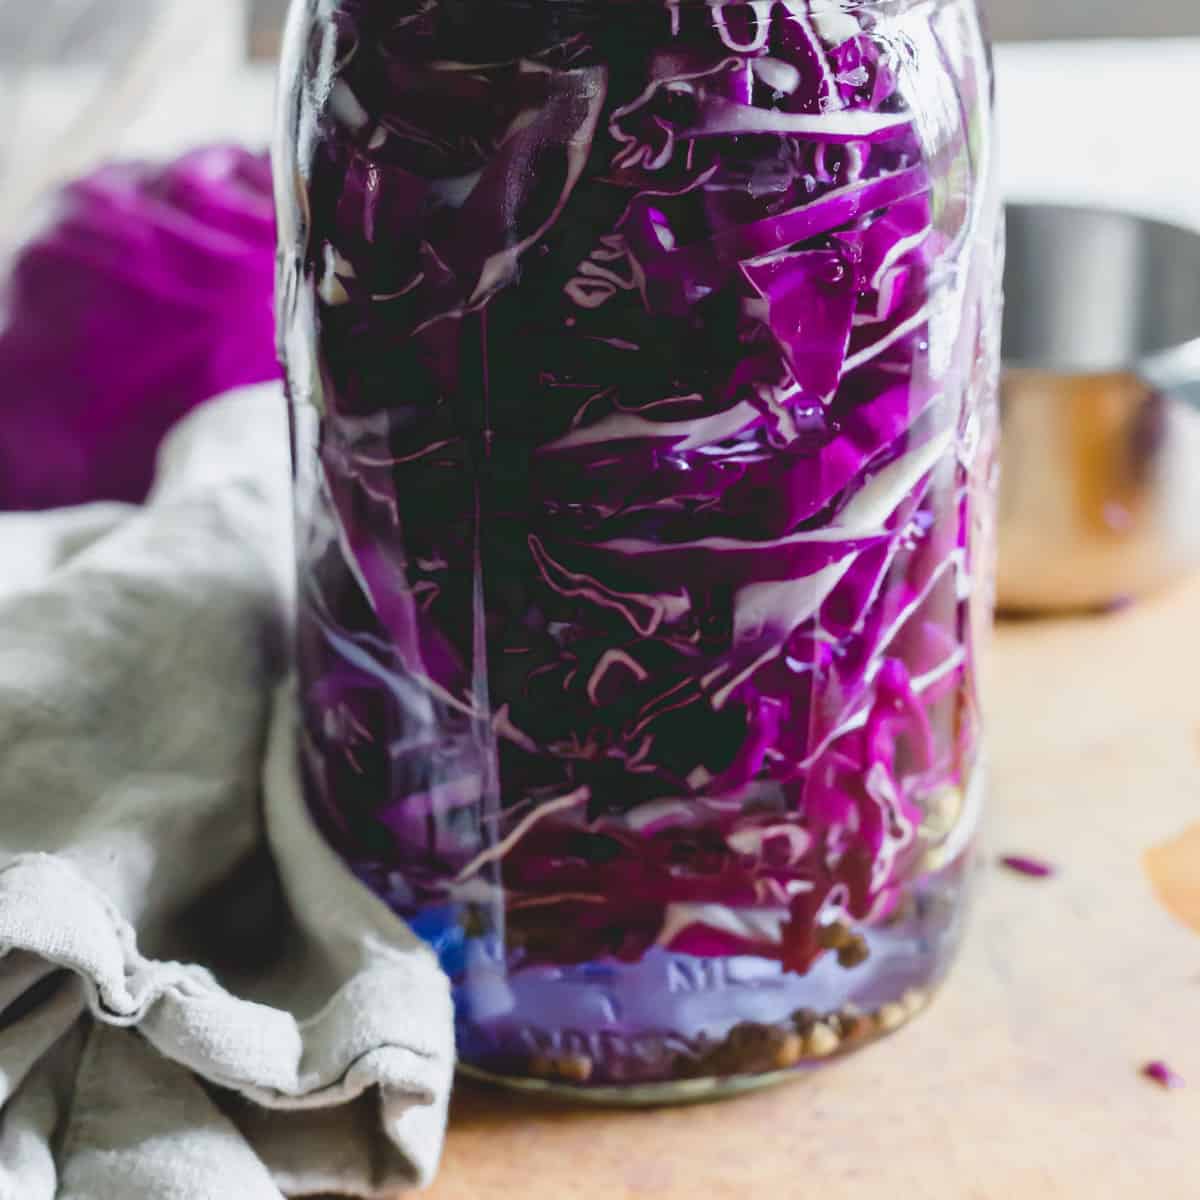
point(1175, 374)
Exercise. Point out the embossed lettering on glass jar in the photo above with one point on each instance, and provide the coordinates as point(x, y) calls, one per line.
point(643, 358)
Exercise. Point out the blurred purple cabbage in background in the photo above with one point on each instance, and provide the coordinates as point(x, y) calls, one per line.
point(147, 291)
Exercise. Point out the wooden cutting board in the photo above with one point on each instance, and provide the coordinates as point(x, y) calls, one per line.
point(1022, 1080)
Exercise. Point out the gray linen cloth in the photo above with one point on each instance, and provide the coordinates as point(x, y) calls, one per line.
point(197, 1000)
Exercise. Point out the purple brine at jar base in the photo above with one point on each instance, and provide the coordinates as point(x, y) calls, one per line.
point(674, 1027)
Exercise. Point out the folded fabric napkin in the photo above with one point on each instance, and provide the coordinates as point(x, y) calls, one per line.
point(196, 999)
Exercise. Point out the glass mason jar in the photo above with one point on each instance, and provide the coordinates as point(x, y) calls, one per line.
point(643, 358)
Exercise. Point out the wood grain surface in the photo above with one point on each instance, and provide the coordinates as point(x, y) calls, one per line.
point(1022, 1080)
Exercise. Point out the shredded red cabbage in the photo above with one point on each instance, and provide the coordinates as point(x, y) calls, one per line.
point(643, 395)
point(1162, 1074)
point(1022, 864)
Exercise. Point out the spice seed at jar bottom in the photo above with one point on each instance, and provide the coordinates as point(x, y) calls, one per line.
point(541, 1066)
point(789, 1052)
point(854, 952)
point(891, 1016)
point(835, 936)
point(750, 1040)
point(576, 1068)
point(803, 1019)
point(847, 1023)
point(914, 1000)
point(821, 1041)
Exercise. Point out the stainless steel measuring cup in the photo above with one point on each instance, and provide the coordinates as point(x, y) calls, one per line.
point(1100, 443)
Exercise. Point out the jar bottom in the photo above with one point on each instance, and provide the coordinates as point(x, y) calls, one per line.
point(674, 1029)
point(684, 1091)
point(673, 1092)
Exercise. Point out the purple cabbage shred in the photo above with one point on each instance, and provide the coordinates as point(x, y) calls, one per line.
point(1162, 1074)
point(1024, 865)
